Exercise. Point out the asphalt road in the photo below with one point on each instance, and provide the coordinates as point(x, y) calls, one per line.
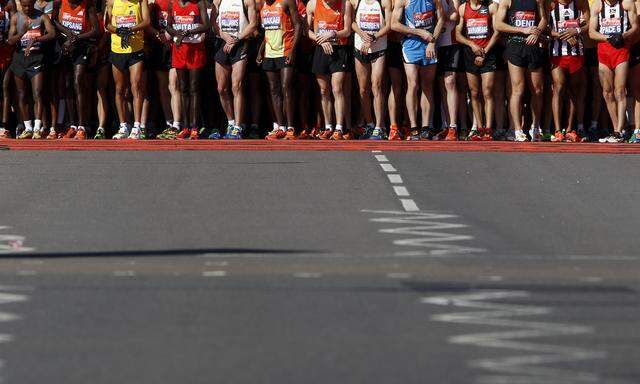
point(317, 267)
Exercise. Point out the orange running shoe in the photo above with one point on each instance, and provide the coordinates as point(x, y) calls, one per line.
point(52, 134)
point(571, 137)
point(337, 135)
point(394, 134)
point(304, 135)
point(314, 134)
point(487, 134)
point(290, 134)
point(451, 135)
point(276, 134)
point(80, 135)
point(350, 135)
point(4, 133)
point(194, 134)
point(557, 137)
point(184, 134)
point(326, 134)
point(71, 133)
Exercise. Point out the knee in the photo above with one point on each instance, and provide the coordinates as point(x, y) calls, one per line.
point(37, 95)
point(325, 92)
point(223, 88)
point(558, 89)
point(608, 94)
point(537, 90)
point(620, 93)
point(364, 92)
point(475, 93)
point(376, 86)
point(236, 87)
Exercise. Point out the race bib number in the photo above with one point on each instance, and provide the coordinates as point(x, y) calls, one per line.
point(31, 35)
point(188, 23)
point(74, 23)
point(524, 19)
point(126, 21)
point(423, 20)
point(565, 25)
point(230, 22)
point(370, 22)
point(271, 20)
point(478, 28)
point(611, 26)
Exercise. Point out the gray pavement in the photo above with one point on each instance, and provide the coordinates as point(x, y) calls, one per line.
point(289, 267)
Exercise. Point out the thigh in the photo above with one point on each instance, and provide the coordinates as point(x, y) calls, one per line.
point(286, 76)
point(517, 77)
point(620, 77)
point(337, 80)
point(412, 72)
point(488, 82)
point(324, 82)
point(474, 81)
point(535, 78)
point(223, 74)
point(606, 77)
point(136, 72)
point(238, 71)
point(378, 67)
point(558, 76)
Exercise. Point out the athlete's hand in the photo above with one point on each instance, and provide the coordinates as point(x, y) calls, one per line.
point(364, 48)
point(617, 41)
point(431, 51)
point(532, 31)
point(324, 37)
point(477, 50)
point(27, 49)
point(479, 61)
point(229, 47)
point(291, 59)
point(367, 38)
point(66, 48)
point(425, 35)
point(569, 33)
point(573, 41)
point(327, 48)
point(228, 38)
point(532, 39)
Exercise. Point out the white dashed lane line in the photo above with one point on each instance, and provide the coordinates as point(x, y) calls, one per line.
point(214, 273)
point(394, 178)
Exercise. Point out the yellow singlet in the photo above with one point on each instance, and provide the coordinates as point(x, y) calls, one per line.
point(126, 13)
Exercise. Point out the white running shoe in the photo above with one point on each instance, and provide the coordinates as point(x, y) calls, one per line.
point(122, 134)
point(520, 136)
point(535, 134)
point(613, 138)
point(135, 134)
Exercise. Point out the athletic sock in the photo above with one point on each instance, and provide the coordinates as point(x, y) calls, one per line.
point(275, 126)
point(136, 124)
point(37, 125)
point(168, 123)
point(282, 128)
point(291, 128)
point(123, 127)
point(27, 125)
point(328, 127)
point(176, 125)
point(339, 127)
point(81, 128)
point(231, 123)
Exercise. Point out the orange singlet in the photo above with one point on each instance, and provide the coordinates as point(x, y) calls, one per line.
point(327, 18)
point(74, 18)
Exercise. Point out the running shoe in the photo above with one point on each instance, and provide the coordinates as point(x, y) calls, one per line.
point(194, 134)
point(337, 135)
point(135, 134)
point(635, 137)
point(571, 137)
point(487, 134)
point(70, 134)
point(474, 135)
point(235, 134)
point(183, 134)
point(304, 135)
point(452, 135)
point(326, 134)
point(37, 134)
point(53, 135)
point(122, 134)
point(377, 134)
point(364, 133)
point(535, 134)
point(143, 133)
point(26, 134)
point(291, 134)
point(584, 135)
point(169, 133)
point(557, 137)
point(500, 135)
point(215, 135)
point(520, 136)
point(228, 133)
point(615, 137)
point(4, 133)
point(276, 134)
point(394, 133)
point(80, 135)
point(415, 134)
point(253, 132)
point(510, 135)
point(100, 134)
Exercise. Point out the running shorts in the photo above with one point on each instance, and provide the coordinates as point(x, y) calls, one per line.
point(28, 66)
point(591, 57)
point(272, 64)
point(525, 56)
point(369, 57)
point(610, 56)
point(493, 61)
point(394, 54)
point(450, 59)
point(634, 55)
point(414, 52)
point(569, 63)
point(160, 57)
point(189, 56)
point(238, 53)
point(123, 61)
point(339, 61)
point(79, 55)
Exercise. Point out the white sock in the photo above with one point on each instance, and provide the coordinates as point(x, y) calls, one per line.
point(339, 127)
point(136, 124)
point(80, 128)
point(37, 126)
point(328, 127)
point(291, 128)
point(232, 123)
point(176, 125)
point(123, 126)
point(27, 125)
point(168, 123)
point(275, 126)
point(282, 128)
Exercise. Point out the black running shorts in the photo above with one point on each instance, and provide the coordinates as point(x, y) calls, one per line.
point(525, 56)
point(123, 61)
point(339, 61)
point(28, 66)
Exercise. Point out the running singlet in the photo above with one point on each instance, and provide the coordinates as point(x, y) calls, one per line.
point(448, 33)
point(160, 14)
point(477, 24)
point(36, 29)
point(232, 17)
point(419, 14)
point(74, 19)
point(565, 17)
point(613, 19)
point(187, 18)
point(328, 19)
point(127, 13)
point(522, 14)
point(278, 29)
point(370, 19)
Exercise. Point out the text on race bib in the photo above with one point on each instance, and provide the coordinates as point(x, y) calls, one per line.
point(188, 23)
point(611, 26)
point(230, 21)
point(423, 20)
point(72, 22)
point(564, 25)
point(126, 21)
point(478, 28)
point(30, 35)
point(163, 19)
point(370, 22)
point(270, 20)
point(524, 19)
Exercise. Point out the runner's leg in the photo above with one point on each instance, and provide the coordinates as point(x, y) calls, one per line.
point(275, 90)
point(427, 77)
point(412, 97)
point(516, 74)
point(378, 86)
point(363, 74)
point(288, 74)
point(237, 83)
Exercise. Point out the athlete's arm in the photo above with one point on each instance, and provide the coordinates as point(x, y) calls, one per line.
point(297, 30)
point(51, 30)
point(347, 17)
point(461, 38)
point(439, 24)
point(253, 20)
point(205, 24)
point(630, 7)
point(594, 23)
point(93, 22)
point(398, 26)
point(108, 25)
point(452, 11)
point(366, 38)
point(146, 17)
point(386, 6)
point(14, 34)
point(502, 26)
point(542, 11)
point(495, 37)
point(311, 7)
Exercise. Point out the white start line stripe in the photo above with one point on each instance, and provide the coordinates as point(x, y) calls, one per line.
point(394, 178)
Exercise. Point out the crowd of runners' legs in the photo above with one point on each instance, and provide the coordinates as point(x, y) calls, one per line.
point(480, 70)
